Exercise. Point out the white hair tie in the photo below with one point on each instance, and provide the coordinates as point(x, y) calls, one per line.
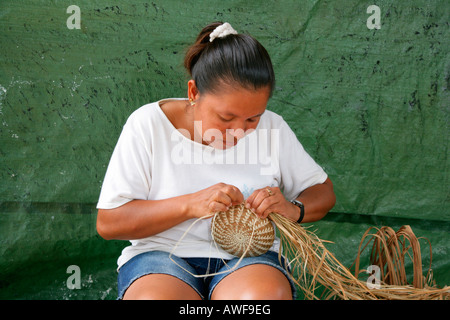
point(222, 31)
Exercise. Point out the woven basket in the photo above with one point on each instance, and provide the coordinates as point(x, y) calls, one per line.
point(239, 231)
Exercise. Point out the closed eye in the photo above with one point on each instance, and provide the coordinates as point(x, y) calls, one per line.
point(225, 119)
point(253, 119)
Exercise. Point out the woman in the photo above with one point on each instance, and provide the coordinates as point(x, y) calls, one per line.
point(179, 160)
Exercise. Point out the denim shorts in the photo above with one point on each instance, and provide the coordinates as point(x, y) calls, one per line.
point(160, 262)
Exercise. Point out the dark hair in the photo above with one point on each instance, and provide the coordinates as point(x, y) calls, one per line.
point(236, 58)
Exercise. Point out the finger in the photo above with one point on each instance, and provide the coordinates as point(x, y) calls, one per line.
point(256, 198)
point(262, 203)
point(235, 195)
point(215, 206)
point(263, 209)
point(250, 199)
point(227, 195)
point(272, 203)
point(271, 209)
point(222, 197)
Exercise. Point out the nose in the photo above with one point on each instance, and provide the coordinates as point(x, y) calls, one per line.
point(238, 130)
point(238, 133)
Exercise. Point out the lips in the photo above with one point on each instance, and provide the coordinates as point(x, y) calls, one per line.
point(232, 144)
point(223, 144)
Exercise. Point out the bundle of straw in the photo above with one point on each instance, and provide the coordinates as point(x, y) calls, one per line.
point(312, 264)
point(389, 250)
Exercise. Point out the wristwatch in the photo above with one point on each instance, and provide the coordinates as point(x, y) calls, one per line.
point(302, 209)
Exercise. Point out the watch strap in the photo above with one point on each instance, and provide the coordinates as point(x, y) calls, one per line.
point(302, 209)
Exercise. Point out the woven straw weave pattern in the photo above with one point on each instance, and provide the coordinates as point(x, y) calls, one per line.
point(239, 229)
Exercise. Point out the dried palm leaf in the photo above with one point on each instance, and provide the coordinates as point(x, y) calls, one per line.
point(389, 250)
point(314, 268)
point(311, 256)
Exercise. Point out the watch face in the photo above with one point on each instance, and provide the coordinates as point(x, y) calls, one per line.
point(302, 209)
point(297, 203)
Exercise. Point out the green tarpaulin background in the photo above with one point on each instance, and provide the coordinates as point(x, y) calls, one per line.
point(370, 105)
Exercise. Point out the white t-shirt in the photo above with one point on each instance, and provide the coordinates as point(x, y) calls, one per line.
point(153, 160)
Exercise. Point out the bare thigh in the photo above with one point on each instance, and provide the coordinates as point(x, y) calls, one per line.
point(160, 287)
point(254, 282)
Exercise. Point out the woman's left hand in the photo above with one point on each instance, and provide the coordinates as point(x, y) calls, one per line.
point(270, 199)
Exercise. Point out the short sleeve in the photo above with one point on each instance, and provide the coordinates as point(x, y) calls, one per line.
point(128, 176)
point(298, 169)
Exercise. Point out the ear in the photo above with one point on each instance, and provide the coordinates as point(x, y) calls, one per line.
point(193, 93)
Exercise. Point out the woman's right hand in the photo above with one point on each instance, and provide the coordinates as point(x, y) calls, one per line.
point(143, 218)
point(218, 197)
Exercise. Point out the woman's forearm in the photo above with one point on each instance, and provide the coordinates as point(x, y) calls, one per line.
point(141, 218)
point(318, 200)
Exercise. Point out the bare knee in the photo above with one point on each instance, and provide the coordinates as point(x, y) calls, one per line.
point(255, 282)
point(275, 292)
point(160, 287)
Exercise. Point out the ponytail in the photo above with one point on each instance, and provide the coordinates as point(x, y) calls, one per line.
point(228, 60)
point(197, 48)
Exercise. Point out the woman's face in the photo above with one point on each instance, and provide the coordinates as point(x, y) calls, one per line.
point(223, 118)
